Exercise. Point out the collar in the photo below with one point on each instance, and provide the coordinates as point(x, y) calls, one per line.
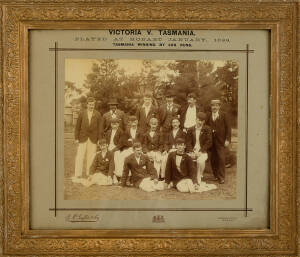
point(143, 106)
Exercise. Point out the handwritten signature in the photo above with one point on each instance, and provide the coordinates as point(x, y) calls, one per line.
point(79, 217)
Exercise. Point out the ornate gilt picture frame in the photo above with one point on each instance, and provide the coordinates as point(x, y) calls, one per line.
point(19, 18)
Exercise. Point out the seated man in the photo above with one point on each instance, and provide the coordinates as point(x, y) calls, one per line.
point(169, 142)
point(131, 135)
point(101, 170)
point(144, 175)
point(153, 144)
point(198, 141)
point(180, 170)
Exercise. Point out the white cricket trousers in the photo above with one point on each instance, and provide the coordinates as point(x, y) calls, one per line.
point(89, 149)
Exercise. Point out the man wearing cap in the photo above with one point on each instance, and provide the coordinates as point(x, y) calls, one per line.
point(188, 113)
point(145, 113)
point(101, 170)
point(114, 135)
point(221, 137)
point(87, 134)
point(199, 140)
point(180, 170)
point(166, 112)
point(113, 113)
point(144, 175)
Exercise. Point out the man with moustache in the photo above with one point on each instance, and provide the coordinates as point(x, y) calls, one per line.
point(87, 134)
point(166, 112)
point(199, 140)
point(145, 113)
point(188, 113)
point(221, 137)
point(113, 113)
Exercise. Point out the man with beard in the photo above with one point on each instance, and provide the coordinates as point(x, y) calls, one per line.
point(221, 137)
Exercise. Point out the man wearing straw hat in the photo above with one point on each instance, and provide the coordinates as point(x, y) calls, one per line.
point(221, 137)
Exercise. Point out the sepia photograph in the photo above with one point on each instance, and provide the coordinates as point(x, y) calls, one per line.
point(150, 129)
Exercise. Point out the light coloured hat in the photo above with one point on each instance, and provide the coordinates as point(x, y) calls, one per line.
point(215, 101)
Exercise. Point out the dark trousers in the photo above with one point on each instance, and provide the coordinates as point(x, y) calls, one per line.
point(218, 160)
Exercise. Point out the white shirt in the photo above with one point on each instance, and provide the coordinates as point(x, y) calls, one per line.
point(151, 133)
point(215, 115)
point(169, 107)
point(147, 109)
point(190, 117)
point(174, 131)
point(90, 114)
point(133, 133)
point(103, 153)
point(138, 160)
point(197, 145)
point(111, 142)
point(113, 114)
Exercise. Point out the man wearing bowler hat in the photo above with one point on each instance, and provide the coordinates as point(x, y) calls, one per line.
point(114, 112)
point(87, 134)
point(221, 135)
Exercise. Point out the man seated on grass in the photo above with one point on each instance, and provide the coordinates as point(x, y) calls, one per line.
point(101, 170)
point(143, 173)
point(180, 170)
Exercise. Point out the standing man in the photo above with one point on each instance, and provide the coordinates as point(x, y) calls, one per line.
point(199, 140)
point(188, 114)
point(113, 113)
point(145, 113)
point(221, 135)
point(87, 134)
point(166, 112)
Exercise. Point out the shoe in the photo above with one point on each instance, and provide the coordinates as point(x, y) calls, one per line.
point(222, 181)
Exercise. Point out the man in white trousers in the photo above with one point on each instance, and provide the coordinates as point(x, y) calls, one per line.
point(87, 134)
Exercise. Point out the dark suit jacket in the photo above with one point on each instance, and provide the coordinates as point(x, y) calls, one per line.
point(139, 171)
point(103, 165)
point(205, 139)
point(221, 129)
point(117, 139)
point(155, 143)
point(127, 140)
point(143, 119)
point(187, 169)
point(105, 126)
point(162, 116)
point(183, 111)
point(84, 130)
point(170, 140)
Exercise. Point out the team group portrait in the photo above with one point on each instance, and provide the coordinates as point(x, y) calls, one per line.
point(150, 129)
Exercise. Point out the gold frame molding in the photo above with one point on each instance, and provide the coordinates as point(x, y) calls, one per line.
point(279, 18)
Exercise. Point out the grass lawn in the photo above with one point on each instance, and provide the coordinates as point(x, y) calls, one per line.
point(74, 191)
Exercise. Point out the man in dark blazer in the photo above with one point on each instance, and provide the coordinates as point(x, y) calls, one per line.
point(145, 113)
point(114, 136)
point(87, 134)
point(199, 141)
point(170, 142)
point(188, 113)
point(166, 112)
point(144, 175)
point(221, 138)
point(153, 144)
point(180, 170)
point(114, 112)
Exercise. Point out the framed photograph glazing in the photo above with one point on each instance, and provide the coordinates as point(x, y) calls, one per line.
point(138, 128)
